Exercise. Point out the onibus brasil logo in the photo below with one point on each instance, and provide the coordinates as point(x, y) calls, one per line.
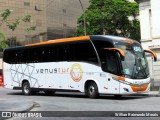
point(76, 72)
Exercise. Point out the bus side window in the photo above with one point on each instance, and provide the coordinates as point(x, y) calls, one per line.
point(85, 52)
point(13, 57)
point(111, 63)
point(65, 52)
point(35, 55)
point(7, 57)
point(22, 56)
point(49, 54)
point(69, 52)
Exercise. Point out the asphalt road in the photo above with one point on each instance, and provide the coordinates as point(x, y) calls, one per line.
point(78, 102)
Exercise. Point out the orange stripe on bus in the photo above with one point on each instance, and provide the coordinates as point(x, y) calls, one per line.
point(119, 77)
point(82, 38)
point(139, 88)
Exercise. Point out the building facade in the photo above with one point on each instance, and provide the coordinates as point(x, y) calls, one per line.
point(20, 8)
point(150, 33)
point(53, 19)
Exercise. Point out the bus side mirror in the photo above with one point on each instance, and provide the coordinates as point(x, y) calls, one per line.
point(122, 58)
point(121, 52)
point(153, 53)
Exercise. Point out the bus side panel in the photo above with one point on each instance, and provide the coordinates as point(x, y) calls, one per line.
point(52, 75)
point(100, 79)
point(14, 75)
point(8, 83)
point(105, 82)
point(35, 75)
point(113, 85)
point(90, 73)
point(71, 75)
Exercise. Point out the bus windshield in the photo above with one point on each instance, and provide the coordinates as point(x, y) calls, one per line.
point(135, 64)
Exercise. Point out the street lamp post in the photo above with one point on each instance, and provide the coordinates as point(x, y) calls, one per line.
point(84, 18)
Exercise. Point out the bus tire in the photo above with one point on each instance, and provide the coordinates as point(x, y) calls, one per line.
point(49, 93)
point(92, 90)
point(26, 90)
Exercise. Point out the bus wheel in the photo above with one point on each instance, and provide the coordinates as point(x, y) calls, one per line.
point(49, 92)
point(26, 90)
point(92, 90)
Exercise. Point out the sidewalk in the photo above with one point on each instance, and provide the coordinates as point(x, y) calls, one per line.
point(150, 93)
point(153, 93)
point(15, 105)
point(7, 107)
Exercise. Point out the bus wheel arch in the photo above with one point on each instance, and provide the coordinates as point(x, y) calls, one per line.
point(91, 89)
point(26, 89)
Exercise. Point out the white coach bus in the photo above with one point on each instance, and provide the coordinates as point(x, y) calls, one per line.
point(96, 64)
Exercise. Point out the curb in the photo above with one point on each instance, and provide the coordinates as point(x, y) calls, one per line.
point(150, 95)
point(22, 107)
point(30, 108)
point(25, 110)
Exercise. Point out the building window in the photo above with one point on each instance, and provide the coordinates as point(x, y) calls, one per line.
point(26, 3)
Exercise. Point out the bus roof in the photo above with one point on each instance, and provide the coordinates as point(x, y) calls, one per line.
point(111, 38)
point(63, 40)
point(85, 38)
point(108, 38)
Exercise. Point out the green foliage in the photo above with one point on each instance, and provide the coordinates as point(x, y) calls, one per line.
point(2, 42)
point(2, 36)
point(5, 14)
point(32, 28)
point(12, 25)
point(111, 17)
point(27, 18)
point(3, 45)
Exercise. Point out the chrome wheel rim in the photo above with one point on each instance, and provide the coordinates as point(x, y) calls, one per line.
point(91, 90)
point(26, 89)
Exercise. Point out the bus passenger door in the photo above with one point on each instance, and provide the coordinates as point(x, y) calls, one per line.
point(111, 66)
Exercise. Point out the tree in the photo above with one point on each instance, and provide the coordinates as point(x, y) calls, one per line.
point(113, 17)
point(12, 25)
point(2, 42)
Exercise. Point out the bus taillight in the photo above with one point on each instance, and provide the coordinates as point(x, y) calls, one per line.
point(1, 80)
